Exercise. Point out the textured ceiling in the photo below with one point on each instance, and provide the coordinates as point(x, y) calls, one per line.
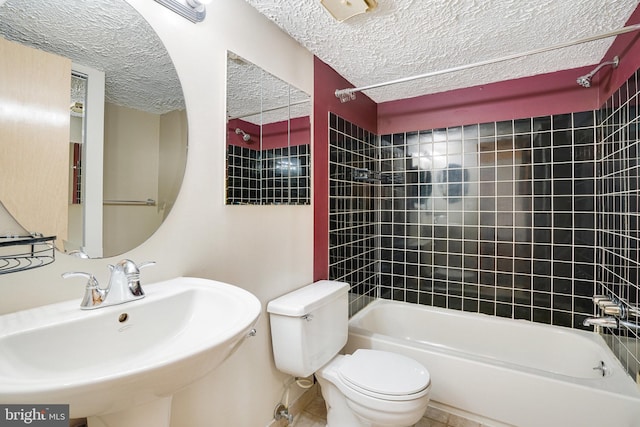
point(400, 38)
point(403, 38)
point(105, 34)
point(258, 97)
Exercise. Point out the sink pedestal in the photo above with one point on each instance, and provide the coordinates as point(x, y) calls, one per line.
point(153, 414)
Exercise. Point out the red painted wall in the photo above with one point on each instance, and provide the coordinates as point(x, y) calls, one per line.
point(274, 135)
point(363, 112)
point(234, 139)
point(540, 95)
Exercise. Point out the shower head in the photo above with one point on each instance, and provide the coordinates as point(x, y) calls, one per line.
point(585, 81)
point(245, 136)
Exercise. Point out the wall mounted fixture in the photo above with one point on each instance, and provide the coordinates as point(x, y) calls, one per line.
point(245, 136)
point(193, 10)
point(77, 107)
point(585, 81)
point(342, 10)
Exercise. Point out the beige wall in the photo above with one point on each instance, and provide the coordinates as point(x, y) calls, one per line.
point(131, 153)
point(267, 250)
point(131, 169)
point(173, 158)
point(144, 157)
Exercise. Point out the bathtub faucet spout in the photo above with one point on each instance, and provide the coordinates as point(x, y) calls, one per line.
point(607, 322)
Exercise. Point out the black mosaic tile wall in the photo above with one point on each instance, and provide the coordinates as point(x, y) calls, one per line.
point(496, 218)
point(353, 219)
point(274, 176)
point(618, 223)
point(243, 179)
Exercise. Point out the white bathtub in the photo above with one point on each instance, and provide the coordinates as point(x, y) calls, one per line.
point(504, 371)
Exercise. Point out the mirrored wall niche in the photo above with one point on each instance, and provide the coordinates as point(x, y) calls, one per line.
point(268, 138)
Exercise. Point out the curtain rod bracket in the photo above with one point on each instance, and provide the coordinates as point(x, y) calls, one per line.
point(345, 95)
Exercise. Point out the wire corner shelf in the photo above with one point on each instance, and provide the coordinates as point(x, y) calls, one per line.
point(21, 253)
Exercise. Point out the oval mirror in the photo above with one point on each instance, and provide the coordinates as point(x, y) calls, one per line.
point(141, 119)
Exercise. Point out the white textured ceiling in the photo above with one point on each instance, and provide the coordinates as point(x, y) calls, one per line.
point(258, 97)
point(105, 34)
point(403, 38)
point(400, 38)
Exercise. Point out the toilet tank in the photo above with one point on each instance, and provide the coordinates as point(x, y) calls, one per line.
point(309, 326)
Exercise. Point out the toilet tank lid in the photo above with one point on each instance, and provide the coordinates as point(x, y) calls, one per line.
point(306, 299)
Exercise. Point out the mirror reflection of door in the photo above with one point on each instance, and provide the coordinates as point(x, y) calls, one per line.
point(33, 176)
point(76, 141)
point(86, 161)
point(86, 146)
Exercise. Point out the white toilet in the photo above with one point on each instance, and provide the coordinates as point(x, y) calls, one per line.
point(369, 388)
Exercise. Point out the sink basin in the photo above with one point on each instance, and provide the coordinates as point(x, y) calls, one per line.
point(114, 358)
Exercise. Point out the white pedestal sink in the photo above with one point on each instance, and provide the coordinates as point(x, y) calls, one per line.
point(120, 365)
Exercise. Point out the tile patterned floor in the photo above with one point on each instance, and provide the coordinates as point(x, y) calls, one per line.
point(315, 415)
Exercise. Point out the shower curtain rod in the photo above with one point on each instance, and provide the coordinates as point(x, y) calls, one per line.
point(268, 110)
point(349, 94)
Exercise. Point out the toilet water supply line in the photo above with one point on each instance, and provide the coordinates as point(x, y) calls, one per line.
point(282, 409)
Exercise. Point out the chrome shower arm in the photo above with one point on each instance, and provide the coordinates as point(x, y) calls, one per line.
point(585, 81)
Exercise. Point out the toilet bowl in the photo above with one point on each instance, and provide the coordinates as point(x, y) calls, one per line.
point(374, 388)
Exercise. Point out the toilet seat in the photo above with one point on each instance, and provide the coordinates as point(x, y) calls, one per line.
point(384, 375)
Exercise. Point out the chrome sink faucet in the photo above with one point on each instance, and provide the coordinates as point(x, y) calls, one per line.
point(124, 285)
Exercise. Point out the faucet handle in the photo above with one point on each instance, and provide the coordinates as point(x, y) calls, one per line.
point(93, 295)
point(92, 281)
point(129, 267)
point(597, 299)
point(146, 264)
point(602, 304)
point(132, 273)
point(136, 289)
point(614, 310)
